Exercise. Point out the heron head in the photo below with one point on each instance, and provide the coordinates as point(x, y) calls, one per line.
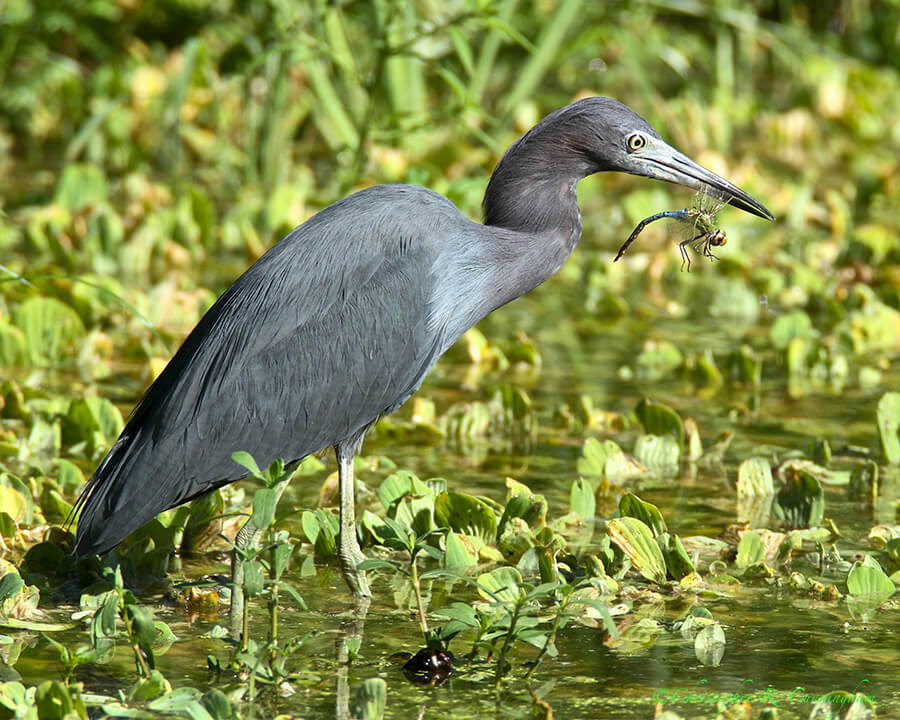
point(616, 138)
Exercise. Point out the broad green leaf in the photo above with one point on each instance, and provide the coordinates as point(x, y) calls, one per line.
point(594, 455)
point(54, 700)
point(175, 701)
point(457, 555)
point(755, 478)
point(632, 506)
point(751, 550)
point(50, 326)
point(280, 555)
point(660, 419)
point(13, 503)
point(369, 700)
point(866, 578)
point(889, 426)
point(254, 579)
point(709, 645)
point(13, 346)
point(658, 452)
point(466, 514)
point(93, 420)
point(636, 540)
point(148, 688)
point(80, 186)
point(801, 502)
point(678, 563)
point(529, 506)
point(10, 585)
point(791, 325)
point(502, 583)
point(400, 484)
point(582, 501)
point(265, 500)
point(246, 460)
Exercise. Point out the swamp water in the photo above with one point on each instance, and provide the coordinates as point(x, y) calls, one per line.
point(784, 648)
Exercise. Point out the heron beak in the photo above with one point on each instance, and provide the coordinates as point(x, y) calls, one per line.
point(663, 162)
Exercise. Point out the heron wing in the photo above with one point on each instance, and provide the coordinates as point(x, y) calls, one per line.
point(325, 333)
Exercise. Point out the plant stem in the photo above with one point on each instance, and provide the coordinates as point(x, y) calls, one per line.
point(273, 614)
point(507, 641)
point(414, 575)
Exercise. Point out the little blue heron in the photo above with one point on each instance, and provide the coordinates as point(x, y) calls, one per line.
point(338, 324)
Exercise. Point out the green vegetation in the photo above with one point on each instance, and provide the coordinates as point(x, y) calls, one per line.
point(658, 486)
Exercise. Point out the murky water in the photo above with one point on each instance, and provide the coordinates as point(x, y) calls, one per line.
point(782, 649)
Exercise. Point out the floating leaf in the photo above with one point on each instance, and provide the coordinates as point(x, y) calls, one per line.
point(801, 502)
point(746, 366)
point(659, 452)
point(502, 583)
point(466, 514)
point(709, 645)
point(822, 474)
point(529, 506)
point(13, 503)
point(457, 555)
point(94, 421)
point(632, 506)
point(369, 700)
point(80, 186)
point(678, 563)
point(398, 485)
point(636, 540)
point(582, 501)
point(660, 419)
point(693, 445)
point(13, 346)
point(658, 359)
point(889, 426)
point(751, 550)
point(755, 478)
point(866, 578)
point(795, 324)
point(594, 455)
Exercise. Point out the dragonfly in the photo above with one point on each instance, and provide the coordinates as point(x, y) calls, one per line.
point(705, 234)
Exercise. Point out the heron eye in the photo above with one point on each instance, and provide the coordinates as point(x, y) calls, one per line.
point(636, 142)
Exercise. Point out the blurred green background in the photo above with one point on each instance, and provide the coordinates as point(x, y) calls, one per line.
point(150, 151)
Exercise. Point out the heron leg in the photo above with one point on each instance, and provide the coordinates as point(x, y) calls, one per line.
point(349, 553)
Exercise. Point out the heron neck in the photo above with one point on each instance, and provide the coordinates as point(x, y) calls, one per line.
point(532, 190)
